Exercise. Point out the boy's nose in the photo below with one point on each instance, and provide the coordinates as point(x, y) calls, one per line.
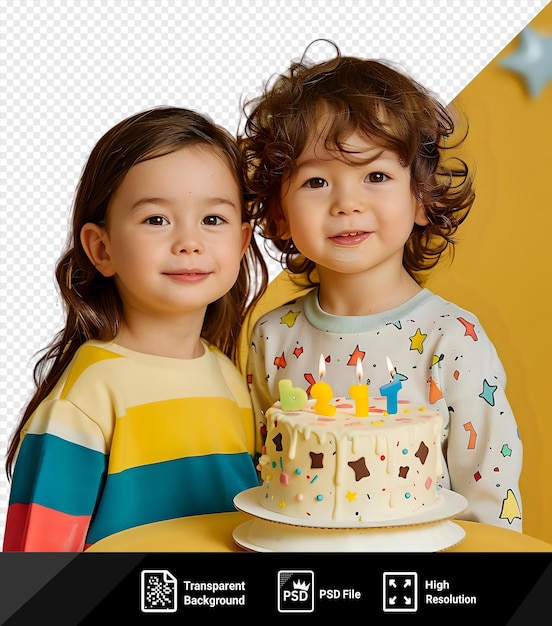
point(346, 202)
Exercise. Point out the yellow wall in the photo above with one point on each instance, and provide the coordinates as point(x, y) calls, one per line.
point(501, 269)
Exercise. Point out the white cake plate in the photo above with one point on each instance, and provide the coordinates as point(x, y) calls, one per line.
point(429, 531)
point(447, 505)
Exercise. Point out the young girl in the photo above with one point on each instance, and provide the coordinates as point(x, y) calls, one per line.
point(139, 413)
point(352, 183)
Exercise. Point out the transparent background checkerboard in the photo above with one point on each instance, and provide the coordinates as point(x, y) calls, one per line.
point(72, 69)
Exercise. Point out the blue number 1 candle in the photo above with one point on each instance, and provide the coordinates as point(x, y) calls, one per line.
point(391, 390)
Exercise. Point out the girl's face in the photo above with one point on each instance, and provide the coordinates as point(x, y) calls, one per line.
point(174, 237)
point(350, 213)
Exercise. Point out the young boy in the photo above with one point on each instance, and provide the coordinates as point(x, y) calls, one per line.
point(351, 180)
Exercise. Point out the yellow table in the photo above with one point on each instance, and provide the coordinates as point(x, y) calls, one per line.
point(213, 533)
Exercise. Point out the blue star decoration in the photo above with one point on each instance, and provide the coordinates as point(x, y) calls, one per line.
point(488, 392)
point(532, 60)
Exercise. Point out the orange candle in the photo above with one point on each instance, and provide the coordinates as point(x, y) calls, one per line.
point(359, 393)
point(322, 393)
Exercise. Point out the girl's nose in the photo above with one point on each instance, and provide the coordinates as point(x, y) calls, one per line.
point(188, 243)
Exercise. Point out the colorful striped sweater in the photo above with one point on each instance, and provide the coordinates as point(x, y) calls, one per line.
point(127, 439)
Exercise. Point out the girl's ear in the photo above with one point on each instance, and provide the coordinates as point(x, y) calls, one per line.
point(247, 233)
point(420, 216)
point(95, 242)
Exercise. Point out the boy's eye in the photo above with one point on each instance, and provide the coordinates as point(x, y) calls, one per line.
point(156, 220)
point(376, 177)
point(213, 220)
point(315, 183)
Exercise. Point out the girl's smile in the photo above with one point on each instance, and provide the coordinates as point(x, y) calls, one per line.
point(188, 276)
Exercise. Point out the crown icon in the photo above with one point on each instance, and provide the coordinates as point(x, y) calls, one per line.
point(299, 584)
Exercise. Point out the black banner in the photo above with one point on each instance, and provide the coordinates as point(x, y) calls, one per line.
point(505, 588)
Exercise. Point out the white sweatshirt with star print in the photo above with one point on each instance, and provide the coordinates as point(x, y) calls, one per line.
point(443, 358)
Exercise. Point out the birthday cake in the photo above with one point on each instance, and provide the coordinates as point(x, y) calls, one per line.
point(340, 467)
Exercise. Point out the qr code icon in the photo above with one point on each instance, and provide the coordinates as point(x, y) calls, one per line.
point(158, 591)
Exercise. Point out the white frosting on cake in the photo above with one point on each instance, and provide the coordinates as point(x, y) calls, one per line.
point(359, 469)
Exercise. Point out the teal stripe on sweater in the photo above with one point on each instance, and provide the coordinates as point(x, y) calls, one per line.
point(171, 489)
point(57, 474)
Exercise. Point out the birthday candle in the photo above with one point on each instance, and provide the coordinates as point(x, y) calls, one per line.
point(291, 398)
point(391, 390)
point(322, 393)
point(359, 393)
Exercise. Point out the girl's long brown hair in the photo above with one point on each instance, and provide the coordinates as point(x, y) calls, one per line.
point(92, 304)
point(382, 104)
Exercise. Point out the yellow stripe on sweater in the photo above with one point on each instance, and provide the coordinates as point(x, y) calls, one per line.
point(87, 356)
point(196, 426)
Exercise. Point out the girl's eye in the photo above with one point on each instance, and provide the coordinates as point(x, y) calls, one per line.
point(316, 183)
point(213, 220)
point(376, 177)
point(156, 220)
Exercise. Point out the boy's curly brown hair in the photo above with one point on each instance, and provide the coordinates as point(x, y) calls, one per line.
point(379, 102)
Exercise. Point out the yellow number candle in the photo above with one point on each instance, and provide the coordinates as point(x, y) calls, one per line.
point(359, 393)
point(322, 393)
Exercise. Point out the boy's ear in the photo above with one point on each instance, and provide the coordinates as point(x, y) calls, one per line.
point(420, 216)
point(283, 228)
point(94, 240)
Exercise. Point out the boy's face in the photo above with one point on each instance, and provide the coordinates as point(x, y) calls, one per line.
point(350, 213)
